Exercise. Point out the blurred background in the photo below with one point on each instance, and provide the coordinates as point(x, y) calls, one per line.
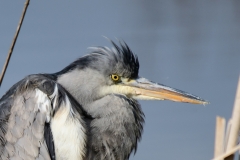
point(192, 45)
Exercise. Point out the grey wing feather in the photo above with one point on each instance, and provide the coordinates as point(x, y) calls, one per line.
point(23, 116)
point(24, 111)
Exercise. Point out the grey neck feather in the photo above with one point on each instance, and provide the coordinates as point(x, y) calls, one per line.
point(82, 85)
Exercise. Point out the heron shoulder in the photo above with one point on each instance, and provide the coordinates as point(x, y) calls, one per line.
point(26, 109)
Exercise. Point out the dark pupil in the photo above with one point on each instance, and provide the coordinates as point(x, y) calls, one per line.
point(115, 77)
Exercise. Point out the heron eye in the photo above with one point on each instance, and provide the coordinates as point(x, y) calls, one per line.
point(115, 77)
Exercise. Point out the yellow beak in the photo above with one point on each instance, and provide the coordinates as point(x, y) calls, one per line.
point(142, 88)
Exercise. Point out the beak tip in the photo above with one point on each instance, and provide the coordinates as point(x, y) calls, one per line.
point(205, 103)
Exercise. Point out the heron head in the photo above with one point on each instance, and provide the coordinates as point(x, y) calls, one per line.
point(115, 71)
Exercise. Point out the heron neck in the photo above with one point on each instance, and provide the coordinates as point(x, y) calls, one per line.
point(118, 121)
point(79, 85)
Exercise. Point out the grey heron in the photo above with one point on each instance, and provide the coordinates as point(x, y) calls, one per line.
point(86, 111)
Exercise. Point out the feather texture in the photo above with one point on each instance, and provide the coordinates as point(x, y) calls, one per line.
point(27, 109)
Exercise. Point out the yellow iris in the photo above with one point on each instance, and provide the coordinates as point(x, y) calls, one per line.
point(115, 77)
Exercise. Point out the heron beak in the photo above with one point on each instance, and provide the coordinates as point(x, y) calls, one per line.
point(142, 88)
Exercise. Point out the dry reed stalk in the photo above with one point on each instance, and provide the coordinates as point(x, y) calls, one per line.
point(219, 136)
point(14, 41)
